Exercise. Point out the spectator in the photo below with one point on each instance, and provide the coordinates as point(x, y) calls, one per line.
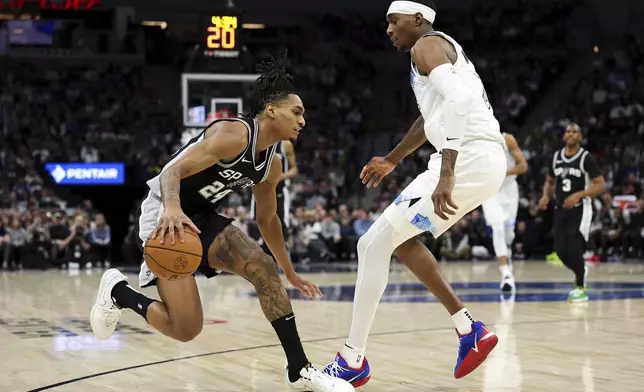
point(38, 252)
point(77, 245)
point(349, 239)
point(456, 245)
point(311, 237)
point(17, 241)
point(5, 240)
point(633, 232)
point(101, 240)
point(361, 222)
point(632, 186)
point(330, 233)
point(479, 236)
point(613, 226)
point(521, 247)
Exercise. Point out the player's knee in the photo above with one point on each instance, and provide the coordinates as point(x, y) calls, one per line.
point(363, 244)
point(188, 332)
point(259, 265)
point(405, 248)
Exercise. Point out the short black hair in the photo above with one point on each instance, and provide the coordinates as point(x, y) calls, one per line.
point(576, 125)
point(273, 86)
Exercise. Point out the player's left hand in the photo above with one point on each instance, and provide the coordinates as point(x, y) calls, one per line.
point(374, 171)
point(442, 197)
point(307, 288)
point(572, 200)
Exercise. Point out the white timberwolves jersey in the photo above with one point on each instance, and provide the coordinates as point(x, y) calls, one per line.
point(481, 123)
point(511, 162)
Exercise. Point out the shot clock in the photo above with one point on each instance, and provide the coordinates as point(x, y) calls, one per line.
point(222, 38)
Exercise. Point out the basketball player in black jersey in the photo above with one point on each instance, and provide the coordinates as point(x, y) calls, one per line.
point(286, 152)
point(575, 178)
point(230, 154)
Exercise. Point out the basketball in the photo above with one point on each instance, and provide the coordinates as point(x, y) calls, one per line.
point(174, 262)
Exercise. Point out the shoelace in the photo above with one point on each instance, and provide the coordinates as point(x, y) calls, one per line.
point(316, 376)
point(460, 344)
point(336, 369)
point(111, 316)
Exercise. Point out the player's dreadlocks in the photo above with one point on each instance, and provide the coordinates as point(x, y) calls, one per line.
point(273, 86)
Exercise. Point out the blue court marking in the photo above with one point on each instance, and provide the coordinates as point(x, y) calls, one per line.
point(486, 292)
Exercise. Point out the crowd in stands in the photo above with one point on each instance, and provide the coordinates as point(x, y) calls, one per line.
point(355, 86)
point(54, 236)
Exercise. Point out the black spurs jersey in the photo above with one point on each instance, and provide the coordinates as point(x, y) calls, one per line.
point(572, 174)
point(204, 191)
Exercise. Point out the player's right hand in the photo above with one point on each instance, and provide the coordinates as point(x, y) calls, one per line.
point(374, 171)
point(173, 219)
point(307, 288)
point(543, 202)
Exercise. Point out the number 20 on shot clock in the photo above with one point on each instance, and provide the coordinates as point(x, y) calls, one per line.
point(222, 36)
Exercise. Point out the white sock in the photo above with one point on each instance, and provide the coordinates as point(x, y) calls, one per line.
point(463, 321)
point(374, 256)
point(498, 240)
point(506, 270)
point(353, 355)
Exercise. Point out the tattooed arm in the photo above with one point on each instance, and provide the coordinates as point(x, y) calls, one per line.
point(379, 167)
point(225, 140)
point(442, 196)
point(414, 138)
point(271, 228)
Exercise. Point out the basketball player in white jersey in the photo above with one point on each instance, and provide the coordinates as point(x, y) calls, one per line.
point(501, 211)
point(467, 169)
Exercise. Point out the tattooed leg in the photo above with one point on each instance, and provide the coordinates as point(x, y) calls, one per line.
point(235, 252)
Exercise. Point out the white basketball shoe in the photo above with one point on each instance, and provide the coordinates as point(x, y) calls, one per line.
point(315, 380)
point(105, 313)
point(507, 280)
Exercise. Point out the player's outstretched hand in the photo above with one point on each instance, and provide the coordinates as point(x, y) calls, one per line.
point(307, 288)
point(374, 171)
point(543, 202)
point(171, 220)
point(442, 197)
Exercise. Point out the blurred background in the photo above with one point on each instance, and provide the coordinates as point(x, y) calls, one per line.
point(95, 96)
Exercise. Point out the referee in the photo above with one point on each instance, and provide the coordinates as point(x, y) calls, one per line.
point(575, 179)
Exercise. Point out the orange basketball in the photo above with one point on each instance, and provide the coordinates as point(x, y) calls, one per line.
point(174, 262)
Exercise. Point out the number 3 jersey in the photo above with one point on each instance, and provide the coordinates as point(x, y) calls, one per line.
point(203, 192)
point(481, 123)
point(572, 174)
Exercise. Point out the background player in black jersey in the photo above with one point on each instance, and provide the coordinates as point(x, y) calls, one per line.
point(227, 156)
point(286, 152)
point(575, 178)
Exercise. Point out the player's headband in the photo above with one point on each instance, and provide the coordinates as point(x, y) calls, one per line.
point(412, 8)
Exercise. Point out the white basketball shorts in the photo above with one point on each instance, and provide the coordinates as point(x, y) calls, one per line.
point(503, 206)
point(480, 170)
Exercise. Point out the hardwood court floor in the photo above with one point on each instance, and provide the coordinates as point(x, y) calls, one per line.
point(545, 344)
